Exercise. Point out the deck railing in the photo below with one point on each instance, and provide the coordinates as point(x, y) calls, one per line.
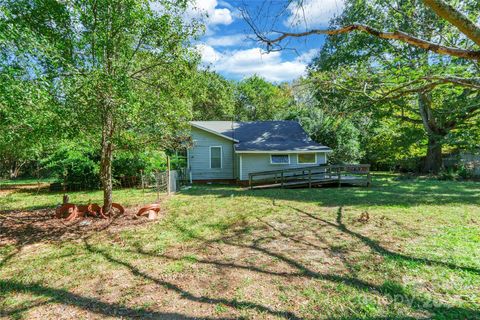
point(347, 173)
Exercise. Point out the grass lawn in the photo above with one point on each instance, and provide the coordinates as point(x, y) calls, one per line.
point(31, 181)
point(223, 252)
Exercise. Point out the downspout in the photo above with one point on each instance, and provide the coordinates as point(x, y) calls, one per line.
point(233, 149)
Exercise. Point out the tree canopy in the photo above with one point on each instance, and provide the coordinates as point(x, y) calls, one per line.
point(118, 70)
point(398, 81)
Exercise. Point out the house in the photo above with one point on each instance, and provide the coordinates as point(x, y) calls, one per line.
point(228, 151)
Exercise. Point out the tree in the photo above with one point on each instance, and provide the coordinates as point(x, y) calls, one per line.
point(420, 23)
point(442, 10)
point(213, 98)
point(338, 133)
point(119, 67)
point(397, 80)
point(27, 120)
point(258, 99)
point(438, 111)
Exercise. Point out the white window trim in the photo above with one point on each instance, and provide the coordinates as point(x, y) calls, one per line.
point(307, 162)
point(210, 156)
point(279, 154)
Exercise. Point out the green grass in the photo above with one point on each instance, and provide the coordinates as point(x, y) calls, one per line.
point(221, 251)
point(30, 181)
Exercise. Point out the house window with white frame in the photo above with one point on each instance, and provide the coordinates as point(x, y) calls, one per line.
point(280, 159)
point(307, 158)
point(215, 157)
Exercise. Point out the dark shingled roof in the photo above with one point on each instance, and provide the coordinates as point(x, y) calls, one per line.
point(263, 135)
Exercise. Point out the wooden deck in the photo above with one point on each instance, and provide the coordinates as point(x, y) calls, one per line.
point(308, 177)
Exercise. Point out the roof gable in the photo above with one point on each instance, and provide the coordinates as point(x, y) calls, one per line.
point(220, 128)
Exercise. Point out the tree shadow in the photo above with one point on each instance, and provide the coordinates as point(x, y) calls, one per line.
point(388, 289)
point(389, 193)
point(88, 304)
point(392, 289)
point(373, 245)
point(237, 304)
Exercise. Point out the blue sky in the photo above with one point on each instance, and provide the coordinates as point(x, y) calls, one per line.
point(229, 47)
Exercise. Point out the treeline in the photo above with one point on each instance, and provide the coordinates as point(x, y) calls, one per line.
point(96, 92)
point(382, 139)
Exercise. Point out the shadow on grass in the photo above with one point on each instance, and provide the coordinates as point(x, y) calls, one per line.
point(184, 293)
point(383, 193)
point(389, 290)
point(373, 245)
point(89, 304)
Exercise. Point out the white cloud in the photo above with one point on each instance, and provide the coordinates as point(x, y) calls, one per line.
point(307, 56)
point(245, 63)
point(227, 41)
point(313, 13)
point(208, 54)
point(207, 11)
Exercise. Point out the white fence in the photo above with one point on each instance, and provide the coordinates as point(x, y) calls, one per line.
point(164, 181)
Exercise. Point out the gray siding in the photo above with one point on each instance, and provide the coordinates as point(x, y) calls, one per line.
point(254, 162)
point(199, 156)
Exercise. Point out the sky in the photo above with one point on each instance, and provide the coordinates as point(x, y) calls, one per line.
point(230, 48)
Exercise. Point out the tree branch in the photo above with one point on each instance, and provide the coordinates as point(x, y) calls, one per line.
point(396, 35)
point(405, 118)
point(456, 18)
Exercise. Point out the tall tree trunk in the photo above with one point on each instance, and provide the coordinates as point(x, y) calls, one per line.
point(435, 133)
point(433, 160)
point(106, 159)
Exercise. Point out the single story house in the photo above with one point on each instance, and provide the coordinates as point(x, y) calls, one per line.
point(228, 151)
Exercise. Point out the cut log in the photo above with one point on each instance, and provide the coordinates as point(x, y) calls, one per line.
point(145, 210)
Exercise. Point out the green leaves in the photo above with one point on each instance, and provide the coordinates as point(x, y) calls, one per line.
point(258, 99)
point(364, 77)
point(66, 65)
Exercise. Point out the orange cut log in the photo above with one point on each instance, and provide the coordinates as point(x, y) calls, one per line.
point(96, 211)
point(82, 210)
point(154, 207)
point(117, 206)
point(69, 211)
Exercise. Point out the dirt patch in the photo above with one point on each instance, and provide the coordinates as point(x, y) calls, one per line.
point(28, 227)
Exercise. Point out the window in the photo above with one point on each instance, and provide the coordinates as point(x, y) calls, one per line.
point(215, 157)
point(307, 158)
point(279, 159)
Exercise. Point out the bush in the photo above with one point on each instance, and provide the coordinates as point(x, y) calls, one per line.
point(448, 174)
point(465, 173)
point(77, 167)
point(456, 173)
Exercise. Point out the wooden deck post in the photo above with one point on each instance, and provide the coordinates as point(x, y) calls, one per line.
point(250, 181)
point(339, 177)
point(282, 178)
point(309, 178)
